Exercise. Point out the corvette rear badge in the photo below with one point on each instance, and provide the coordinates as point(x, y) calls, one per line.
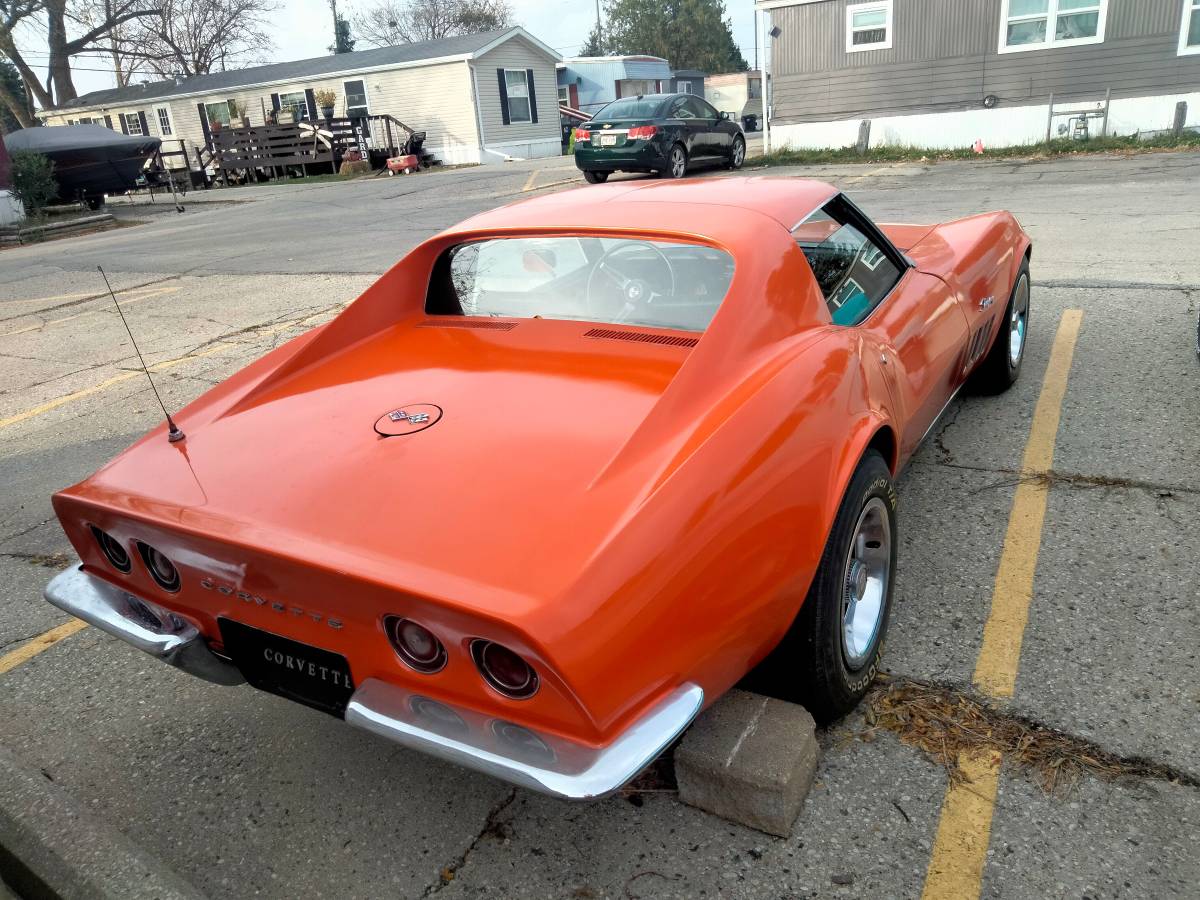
point(407, 419)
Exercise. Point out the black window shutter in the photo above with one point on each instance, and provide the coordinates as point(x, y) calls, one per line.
point(121, 119)
point(275, 102)
point(503, 96)
point(108, 122)
point(142, 119)
point(204, 124)
point(312, 103)
point(532, 96)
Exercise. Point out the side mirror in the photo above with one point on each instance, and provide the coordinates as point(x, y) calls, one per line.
point(724, 116)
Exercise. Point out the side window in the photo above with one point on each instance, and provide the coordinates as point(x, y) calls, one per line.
point(707, 110)
point(681, 110)
point(854, 272)
point(699, 109)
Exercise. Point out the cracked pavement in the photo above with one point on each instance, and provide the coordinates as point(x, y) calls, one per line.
point(247, 794)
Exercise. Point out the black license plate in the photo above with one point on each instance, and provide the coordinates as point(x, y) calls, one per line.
point(309, 675)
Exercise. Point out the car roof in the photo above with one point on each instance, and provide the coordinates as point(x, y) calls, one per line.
point(732, 204)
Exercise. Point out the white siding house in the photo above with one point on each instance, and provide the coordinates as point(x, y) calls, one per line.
point(447, 88)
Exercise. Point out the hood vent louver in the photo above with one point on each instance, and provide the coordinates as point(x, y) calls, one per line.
point(453, 322)
point(641, 337)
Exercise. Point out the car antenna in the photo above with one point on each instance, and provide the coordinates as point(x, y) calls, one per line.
point(173, 432)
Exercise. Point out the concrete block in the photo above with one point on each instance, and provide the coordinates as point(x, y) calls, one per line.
point(50, 846)
point(750, 759)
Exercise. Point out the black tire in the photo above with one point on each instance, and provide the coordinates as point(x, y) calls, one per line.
point(737, 153)
point(677, 163)
point(999, 370)
point(595, 177)
point(813, 665)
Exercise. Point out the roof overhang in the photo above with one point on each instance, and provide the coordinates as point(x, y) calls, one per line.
point(341, 73)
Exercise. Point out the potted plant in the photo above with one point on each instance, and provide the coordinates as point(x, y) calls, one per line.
point(326, 99)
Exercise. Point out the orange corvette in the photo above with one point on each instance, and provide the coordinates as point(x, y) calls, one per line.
point(564, 475)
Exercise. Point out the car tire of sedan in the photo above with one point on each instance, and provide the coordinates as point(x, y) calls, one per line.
point(737, 153)
point(677, 163)
point(831, 654)
point(595, 177)
point(1001, 368)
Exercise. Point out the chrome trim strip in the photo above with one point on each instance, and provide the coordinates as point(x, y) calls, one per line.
point(174, 640)
point(565, 769)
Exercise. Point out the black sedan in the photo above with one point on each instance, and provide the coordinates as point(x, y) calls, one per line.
point(663, 133)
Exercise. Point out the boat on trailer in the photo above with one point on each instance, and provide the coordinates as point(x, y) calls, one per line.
point(90, 161)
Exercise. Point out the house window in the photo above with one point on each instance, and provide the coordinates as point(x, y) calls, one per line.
point(164, 121)
point(754, 89)
point(869, 26)
point(517, 83)
point(297, 103)
point(564, 95)
point(1037, 24)
point(218, 113)
point(1189, 37)
point(685, 87)
point(133, 124)
point(356, 99)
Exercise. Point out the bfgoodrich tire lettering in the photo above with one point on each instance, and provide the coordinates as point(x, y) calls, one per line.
point(814, 665)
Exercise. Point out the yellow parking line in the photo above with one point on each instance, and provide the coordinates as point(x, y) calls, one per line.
point(26, 652)
point(530, 180)
point(960, 847)
point(96, 388)
point(136, 296)
point(1000, 654)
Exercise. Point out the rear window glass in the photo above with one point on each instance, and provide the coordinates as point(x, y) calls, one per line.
point(631, 108)
point(853, 272)
point(658, 284)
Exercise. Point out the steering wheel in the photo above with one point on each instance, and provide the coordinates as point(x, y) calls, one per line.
point(631, 293)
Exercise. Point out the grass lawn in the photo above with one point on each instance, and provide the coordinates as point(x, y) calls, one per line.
point(1189, 140)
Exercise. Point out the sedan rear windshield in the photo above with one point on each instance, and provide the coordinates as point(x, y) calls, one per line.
point(658, 284)
point(630, 108)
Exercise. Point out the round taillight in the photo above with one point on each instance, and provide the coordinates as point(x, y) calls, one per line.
point(161, 569)
point(504, 670)
point(416, 645)
point(116, 555)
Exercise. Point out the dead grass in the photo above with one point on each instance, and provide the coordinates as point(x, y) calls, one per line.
point(944, 723)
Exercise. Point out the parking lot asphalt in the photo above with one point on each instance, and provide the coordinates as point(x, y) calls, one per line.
point(248, 795)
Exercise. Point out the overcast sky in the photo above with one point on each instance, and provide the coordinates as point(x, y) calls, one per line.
point(304, 28)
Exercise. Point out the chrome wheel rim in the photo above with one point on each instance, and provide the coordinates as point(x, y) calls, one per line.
point(678, 163)
point(1018, 322)
point(865, 582)
point(739, 152)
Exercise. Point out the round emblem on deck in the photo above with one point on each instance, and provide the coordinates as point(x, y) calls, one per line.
point(408, 419)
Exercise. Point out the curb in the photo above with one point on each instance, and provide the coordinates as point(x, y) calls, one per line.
point(51, 847)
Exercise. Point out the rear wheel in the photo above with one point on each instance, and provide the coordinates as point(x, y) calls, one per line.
point(737, 153)
point(830, 656)
point(1002, 366)
point(595, 177)
point(677, 163)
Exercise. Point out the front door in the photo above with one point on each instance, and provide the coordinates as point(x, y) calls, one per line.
point(913, 327)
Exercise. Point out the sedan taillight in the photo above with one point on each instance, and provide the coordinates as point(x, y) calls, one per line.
point(642, 133)
point(582, 134)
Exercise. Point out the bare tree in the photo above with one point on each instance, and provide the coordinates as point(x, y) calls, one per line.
point(66, 35)
point(194, 37)
point(390, 22)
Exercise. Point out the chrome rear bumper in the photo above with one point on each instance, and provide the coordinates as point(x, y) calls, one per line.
point(502, 749)
point(151, 629)
point(516, 754)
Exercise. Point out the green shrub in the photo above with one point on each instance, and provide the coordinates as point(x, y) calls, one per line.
point(33, 181)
